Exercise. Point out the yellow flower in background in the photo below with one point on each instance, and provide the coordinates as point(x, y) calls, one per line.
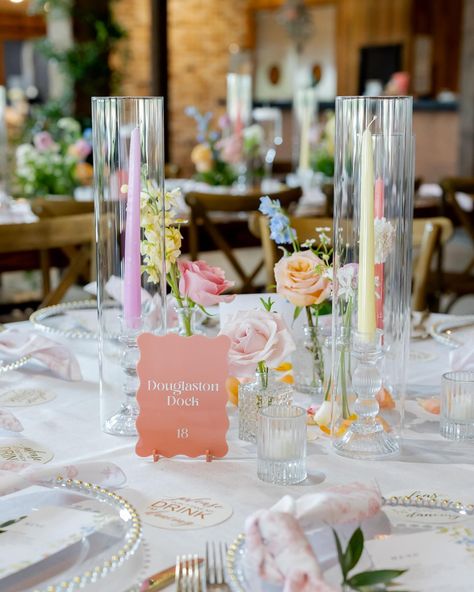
point(202, 158)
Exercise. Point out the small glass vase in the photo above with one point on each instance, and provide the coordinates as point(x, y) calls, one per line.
point(263, 391)
point(189, 320)
point(309, 362)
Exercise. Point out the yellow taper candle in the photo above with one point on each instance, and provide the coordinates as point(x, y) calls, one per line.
point(366, 295)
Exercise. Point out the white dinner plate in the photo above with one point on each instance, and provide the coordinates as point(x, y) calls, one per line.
point(433, 513)
point(93, 555)
point(454, 332)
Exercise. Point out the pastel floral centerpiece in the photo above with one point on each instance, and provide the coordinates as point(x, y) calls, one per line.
point(220, 154)
point(54, 162)
point(193, 284)
point(304, 277)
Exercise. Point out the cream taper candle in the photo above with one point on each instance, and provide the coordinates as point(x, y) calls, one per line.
point(366, 293)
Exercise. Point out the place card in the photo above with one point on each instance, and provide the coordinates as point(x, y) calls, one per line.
point(185, 513)
point(24, 451)
point(43, 533)
point(26, 397)
point(435, 561)
point(182, 396)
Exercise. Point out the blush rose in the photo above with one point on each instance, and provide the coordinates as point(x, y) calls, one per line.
point(256, 336)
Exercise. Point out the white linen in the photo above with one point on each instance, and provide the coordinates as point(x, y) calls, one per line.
point(69, 426)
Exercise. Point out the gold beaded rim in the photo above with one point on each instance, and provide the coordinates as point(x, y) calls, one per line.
point(394, 500)
point(132, 537)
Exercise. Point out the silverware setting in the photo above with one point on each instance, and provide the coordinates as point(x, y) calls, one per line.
point(188, 574)
point(215, 570)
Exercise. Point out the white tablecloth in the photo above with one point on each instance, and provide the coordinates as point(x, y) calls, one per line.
point(69, 426)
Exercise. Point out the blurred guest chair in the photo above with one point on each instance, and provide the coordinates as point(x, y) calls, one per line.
point(210, 211)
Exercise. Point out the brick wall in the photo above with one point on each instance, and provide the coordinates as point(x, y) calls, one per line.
point(199, 35)
point(134, 55)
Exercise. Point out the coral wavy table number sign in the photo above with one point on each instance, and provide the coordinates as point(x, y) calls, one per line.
point(182, 396)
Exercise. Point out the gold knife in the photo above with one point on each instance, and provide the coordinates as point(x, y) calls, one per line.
point(159, 580)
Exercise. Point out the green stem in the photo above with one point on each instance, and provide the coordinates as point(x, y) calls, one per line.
point(263, 371)
point(185, 317)
point(345, 337)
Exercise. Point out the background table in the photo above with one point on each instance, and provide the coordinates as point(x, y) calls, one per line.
point(69, 426)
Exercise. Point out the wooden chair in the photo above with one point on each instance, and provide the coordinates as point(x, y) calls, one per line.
point(459, 283)
point(305, 229)
point(208, 209)
point(428, 235)
point(72, 234)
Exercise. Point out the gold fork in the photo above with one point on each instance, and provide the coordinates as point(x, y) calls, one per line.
point(215, 571)
point(187, 574)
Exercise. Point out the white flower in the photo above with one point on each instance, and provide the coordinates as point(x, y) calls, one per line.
point(323, 414)
point(384, 238)
point(69, 124)
point(308, 243)
point(347, 280)
point(254, 132)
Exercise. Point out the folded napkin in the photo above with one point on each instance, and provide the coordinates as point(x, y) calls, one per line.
point(15, 476)
point(275, 539)
point(462, 358)
point(54, 355)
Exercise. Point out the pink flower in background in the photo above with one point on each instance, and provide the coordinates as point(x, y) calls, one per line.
point(231, 149)
point(256, 336)
point(80, 149)
point(302, 279)
point(43, 141)
point(202, 283)
point(224, 122)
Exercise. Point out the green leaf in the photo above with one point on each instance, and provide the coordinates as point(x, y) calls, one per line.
point(340, 554)
point(267, 304)
point(354, 550)
point(297, 312)
point(379, 576)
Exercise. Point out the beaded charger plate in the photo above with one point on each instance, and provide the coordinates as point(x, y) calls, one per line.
point(85, 559)
point(13, 364)
point(404, 514)
point(76, 320)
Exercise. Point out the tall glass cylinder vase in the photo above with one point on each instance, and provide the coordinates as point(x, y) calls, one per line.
point(239, 100)
point(128, 172)
point(373, 213)
point(305, 110)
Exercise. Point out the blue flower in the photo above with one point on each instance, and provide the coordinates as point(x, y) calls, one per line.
point(87, 135)
point(269, 207)
point(280, 230)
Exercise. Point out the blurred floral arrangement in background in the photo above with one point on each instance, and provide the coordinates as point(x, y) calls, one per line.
point(53, 162)
point(220, 155)
point(322, 138)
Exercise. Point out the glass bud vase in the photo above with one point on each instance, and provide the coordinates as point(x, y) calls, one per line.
point(189, 319)
point(263, 391)
point(309, 362)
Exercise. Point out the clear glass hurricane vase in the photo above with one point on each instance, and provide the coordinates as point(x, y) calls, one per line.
point(373, 213)
point(309, 368)
point(128, 163)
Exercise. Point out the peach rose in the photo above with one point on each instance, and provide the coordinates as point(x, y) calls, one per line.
point(256, 336)
point(202, 283)
point(201, 157)
point(299, 278)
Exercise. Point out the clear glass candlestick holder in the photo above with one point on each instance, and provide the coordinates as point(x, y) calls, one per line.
point(365, 435)
point(281, 445)
point(128, 173)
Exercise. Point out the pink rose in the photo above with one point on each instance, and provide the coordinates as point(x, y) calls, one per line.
point(300, 278)
point(256, 336)
point(43, 141)
point(202, 283)
point(80, 149)
point(231, 149)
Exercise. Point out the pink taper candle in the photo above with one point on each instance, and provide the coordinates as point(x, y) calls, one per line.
point(378, 213)
point(132, 273)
